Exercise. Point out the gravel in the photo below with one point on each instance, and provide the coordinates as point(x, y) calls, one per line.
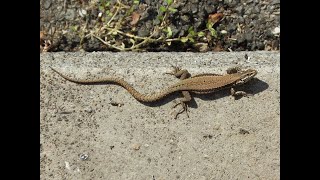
point(254, 24)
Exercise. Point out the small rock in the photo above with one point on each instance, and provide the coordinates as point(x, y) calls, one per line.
point(136, 146)
point(88, 109)
point(198, 23)
point(248, 36)
point(201, 47)
point(143, 32)
point(67, 165)
point(82, 12)
point(240, 10)
point(231, 3)
point(241, 39)
point(185, 18)
point(270, 8)
point(275, 2)
point(210, 9)
point(260, 45)
point(269, 33)
point(275, 44)
point(256, 9)
point(243, 131)
point(231, 27)
point(276, 31)
point(70, 14)
point(248, 11)
point(84, 157)
point(174, 30)
point(47, 4)
point(241, 20)
point(223, 32)
point(156, 21)
point(194, 9)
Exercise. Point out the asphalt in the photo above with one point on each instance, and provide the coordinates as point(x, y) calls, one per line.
point(102, 132)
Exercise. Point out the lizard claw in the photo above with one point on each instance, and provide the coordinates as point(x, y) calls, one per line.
point(174, 71)
point(183, 109)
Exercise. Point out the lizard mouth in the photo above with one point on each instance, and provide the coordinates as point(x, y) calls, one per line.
point(247, 75)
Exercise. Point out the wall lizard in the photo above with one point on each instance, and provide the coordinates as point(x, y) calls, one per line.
point(200, 84)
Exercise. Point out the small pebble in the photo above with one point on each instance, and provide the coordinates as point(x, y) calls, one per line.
point(136, 146)
point(276, 31)
point(223, 32)
point(83, 157)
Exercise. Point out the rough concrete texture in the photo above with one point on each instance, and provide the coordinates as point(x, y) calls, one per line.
point(102, 132)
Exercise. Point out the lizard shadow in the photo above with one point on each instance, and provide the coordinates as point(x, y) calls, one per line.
point(253, 87)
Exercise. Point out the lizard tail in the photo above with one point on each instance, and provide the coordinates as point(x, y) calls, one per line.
point(118, 81)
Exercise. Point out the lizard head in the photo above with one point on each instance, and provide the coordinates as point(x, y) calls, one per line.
point(246, 76)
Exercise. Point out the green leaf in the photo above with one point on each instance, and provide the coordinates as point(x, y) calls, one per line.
point(200, 34)
point(74, 28)
point(169, 2)
point(135, 1)
point(213, 32)
point(192, 33)
point(184, 39)
point(191, 39)
point(101, 8)
point(169, 32)
point(160, 17)
point(107, 4)
point(172, 9)
point(209, 25)
point(210, 28)
point(163, 9)
point(109, 13)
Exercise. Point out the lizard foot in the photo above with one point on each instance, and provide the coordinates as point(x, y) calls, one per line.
point(179, 73)
point(237, 94)
point(183, 109)
point(174, 71)
point(233, 70)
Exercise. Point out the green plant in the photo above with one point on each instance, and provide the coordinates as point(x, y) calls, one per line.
point(115, 32)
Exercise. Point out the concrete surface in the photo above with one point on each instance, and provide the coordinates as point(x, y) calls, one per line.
point(85, 135)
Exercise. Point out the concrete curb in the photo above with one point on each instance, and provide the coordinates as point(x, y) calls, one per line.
point(102, 132)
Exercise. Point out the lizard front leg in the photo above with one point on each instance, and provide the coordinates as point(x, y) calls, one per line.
point(233, 70)
point(235, 93)
point(183, 101)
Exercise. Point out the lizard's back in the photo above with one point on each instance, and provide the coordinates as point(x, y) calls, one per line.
point(205, 83)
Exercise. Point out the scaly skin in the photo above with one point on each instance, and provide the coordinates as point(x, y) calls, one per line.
point(200, 84)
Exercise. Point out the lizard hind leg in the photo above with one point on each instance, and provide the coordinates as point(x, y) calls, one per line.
point(179, 73)
point(186, 98)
